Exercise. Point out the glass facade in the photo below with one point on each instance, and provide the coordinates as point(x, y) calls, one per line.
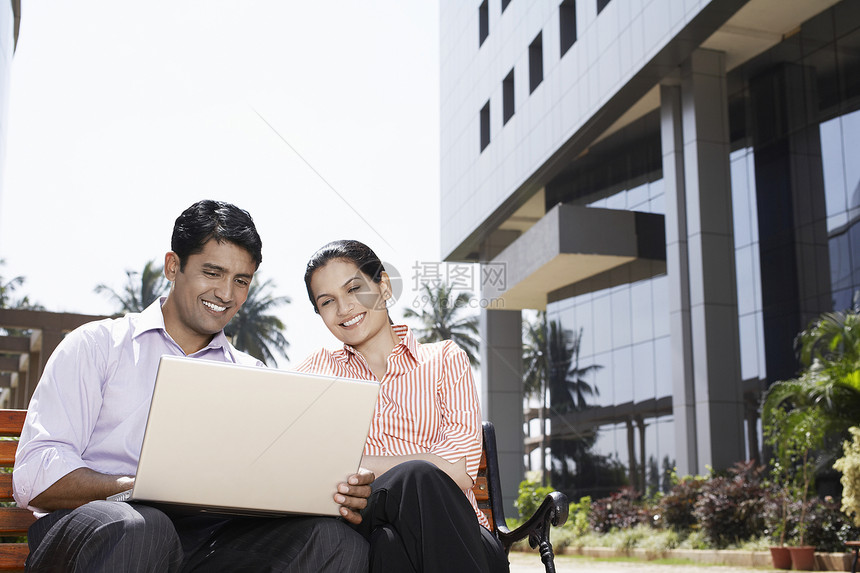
point(625, 328)
point(7, 46)
point(840, 149)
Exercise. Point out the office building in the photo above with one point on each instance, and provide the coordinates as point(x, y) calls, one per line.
point(10, 19)
point(679, 181)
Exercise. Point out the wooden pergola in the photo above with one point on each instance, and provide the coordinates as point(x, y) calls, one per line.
point(22, 358)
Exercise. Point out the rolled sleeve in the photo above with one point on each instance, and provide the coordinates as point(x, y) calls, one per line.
point(460, 431)
point(61, 415)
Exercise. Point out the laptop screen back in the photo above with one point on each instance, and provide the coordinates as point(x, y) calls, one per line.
point(251, 440)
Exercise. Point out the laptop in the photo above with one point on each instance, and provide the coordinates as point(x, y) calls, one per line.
point(224, 438)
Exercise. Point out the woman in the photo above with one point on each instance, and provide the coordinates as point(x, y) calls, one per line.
point(424, 443)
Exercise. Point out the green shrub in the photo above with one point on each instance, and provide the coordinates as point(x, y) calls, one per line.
point(695, 540)
point(849, 465)
point(625, 539)
point(531, 495)
point(827, 529)
point(659, 541)
point(577, 516)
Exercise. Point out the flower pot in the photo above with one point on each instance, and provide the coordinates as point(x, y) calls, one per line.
point(781, 557)
point(803, 558)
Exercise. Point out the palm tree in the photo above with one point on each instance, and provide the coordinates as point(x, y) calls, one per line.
point(10, 286)
point(254, 329)
point(441, 321)
point(140, 292)
point(551, 371)
point(6, 301)
point(551, 365)
point(7, 288)
point(828, 387)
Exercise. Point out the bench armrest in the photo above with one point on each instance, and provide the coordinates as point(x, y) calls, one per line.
point(551, 513)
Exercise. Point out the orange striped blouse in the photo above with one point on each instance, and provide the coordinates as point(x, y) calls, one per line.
point(427, 401)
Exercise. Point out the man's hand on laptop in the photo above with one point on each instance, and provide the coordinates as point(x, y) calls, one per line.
point(352, 496)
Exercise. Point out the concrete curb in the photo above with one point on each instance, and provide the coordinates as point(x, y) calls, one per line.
point(824, 561)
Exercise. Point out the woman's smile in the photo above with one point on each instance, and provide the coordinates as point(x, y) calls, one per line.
point(354, 320)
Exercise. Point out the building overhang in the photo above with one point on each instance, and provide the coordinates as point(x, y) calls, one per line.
point(569, 246)
point(742, 29)
point(574, 425)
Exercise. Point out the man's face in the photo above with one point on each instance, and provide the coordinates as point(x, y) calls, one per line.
point(207, 294)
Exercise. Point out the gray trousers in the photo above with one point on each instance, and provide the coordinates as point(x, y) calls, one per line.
point(104, 536)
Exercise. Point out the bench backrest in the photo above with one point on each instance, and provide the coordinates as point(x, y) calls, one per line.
point(14, 521)
point(488, 488)
point(481, 489)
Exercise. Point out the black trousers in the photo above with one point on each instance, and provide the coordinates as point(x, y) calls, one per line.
point(104, 536)
point(418, 520)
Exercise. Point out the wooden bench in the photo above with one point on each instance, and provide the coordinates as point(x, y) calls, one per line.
point(488, 490)
point(14, 521)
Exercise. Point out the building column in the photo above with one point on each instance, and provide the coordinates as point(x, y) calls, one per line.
point(683, 396)
point(792, 216)
point(502, 394)
point(633, 466)
point(710, 412)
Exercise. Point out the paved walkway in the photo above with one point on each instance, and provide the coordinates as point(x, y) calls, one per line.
point(530, 563)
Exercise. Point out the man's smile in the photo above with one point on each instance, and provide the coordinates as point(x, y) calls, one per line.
point(213, 306)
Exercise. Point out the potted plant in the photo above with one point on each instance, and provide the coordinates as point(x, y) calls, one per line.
point(780, 485)
point(802, 555)
point(794, 432)
point(779, 554)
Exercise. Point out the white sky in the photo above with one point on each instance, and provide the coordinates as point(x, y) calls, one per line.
point(120, 117)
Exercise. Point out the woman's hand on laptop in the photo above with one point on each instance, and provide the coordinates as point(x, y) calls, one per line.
point(352, 495)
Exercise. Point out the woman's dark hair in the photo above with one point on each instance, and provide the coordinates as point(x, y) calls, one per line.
point(347, 250)
point(217, 220)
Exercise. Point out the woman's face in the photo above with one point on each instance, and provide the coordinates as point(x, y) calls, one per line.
point(351, 305)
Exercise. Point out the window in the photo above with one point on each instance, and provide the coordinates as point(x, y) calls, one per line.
point(505, 4)
point(535, 63)
point(567, 24)
point(508, 97)
point(483, 23)
point(485, 125)
point(601, 4)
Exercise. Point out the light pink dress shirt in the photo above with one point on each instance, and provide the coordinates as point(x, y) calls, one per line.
point(91, 404)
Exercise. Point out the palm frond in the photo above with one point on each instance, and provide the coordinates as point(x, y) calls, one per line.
point(441, 319)
point(138, 293)
point(255, 329)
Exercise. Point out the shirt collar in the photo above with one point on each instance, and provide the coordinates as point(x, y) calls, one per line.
point(407, 341)
point(152, 318)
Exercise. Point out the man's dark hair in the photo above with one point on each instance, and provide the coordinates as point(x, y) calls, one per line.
point(217, 220)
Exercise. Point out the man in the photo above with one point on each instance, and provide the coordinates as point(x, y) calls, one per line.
point(84, 428)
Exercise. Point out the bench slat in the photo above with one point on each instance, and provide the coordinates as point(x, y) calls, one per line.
point(12, 556)
point(5, 487)
point(7, 452)
point(11, 422)
point(15, 520)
